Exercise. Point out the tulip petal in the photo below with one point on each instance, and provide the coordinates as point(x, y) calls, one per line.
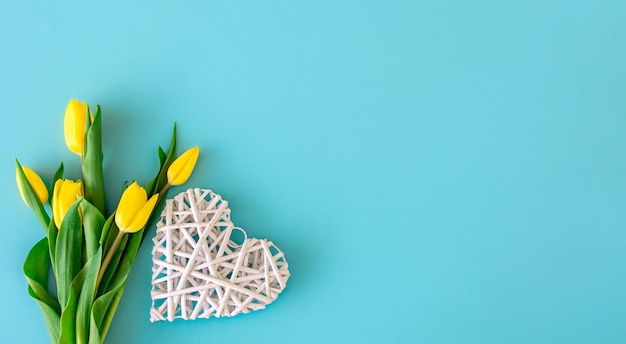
point(35, 182)
point(74, 125)
point(70, 191)
point(180, 170)
point(66, 192)
point(142, 216)
point(133, 198)
point(31, 198)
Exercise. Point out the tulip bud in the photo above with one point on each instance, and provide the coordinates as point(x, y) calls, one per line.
point(180, 170)
point(74, 125)
point(35, 182)
point(66, 192)
point(134, 209)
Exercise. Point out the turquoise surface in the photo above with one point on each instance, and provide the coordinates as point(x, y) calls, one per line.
point(435, 172)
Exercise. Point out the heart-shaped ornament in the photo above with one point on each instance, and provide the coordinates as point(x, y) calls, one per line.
point(199, 271)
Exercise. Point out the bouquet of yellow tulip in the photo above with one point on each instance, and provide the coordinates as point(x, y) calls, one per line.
point(88, 250)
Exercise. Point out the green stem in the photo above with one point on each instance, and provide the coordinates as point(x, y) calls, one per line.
point(164, 190)
point(109, 256)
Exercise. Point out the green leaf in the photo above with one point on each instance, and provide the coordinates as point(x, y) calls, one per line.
point(101, 305)
point(108, 318)
point(92, 164)
point(117, 290)
point(161, 178)
point(106, 228)
point(93, 222)
point(112, 269)
point(59, 174)
point(36, 267)
point(162, 156)
point(156, 213)
point(36, 271)
point(86, 297)
point(31, 198)
point(104, 307)
point(113, 231)
point(133, 245)
point(51, 317)
point(94, 332)
point(52, 242)
point(151, 186)
point(68, 252)
point(68, 319)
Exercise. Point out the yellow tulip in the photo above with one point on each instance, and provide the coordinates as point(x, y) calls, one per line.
point(74, 125)
point(35, 182)
point(66, 192)
point(134, 209)
point(180, 170)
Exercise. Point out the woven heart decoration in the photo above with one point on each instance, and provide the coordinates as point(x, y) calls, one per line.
point(199, 271)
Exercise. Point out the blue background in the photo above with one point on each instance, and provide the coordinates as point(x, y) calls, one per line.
point(435, 173)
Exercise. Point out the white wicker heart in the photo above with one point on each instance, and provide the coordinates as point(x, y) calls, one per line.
point(200, 272)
